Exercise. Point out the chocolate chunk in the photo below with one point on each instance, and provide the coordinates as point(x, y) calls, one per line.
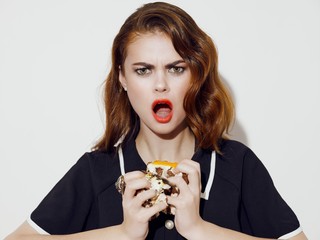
point(174, 190)
point(159, 171)
point(170, 173)
point(185, 177)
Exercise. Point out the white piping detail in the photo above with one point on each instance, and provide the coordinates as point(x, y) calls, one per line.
point(121, 159)
point(36, 227)
point(119, 141)
point(206, 192)
point(291, 234)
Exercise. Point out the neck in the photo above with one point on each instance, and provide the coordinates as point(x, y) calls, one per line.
point(154, 147)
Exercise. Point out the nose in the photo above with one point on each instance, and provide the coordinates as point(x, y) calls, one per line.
point(161, 84)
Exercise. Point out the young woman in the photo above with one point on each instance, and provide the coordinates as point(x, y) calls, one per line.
point(164, 100)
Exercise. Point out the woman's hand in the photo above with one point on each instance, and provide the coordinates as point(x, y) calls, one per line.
point(187, 216)
point(135, 216)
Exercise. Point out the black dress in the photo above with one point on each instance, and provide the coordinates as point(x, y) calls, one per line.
point(238, 193)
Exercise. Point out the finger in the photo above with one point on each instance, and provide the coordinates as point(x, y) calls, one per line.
point(133, 175)
point(135, 184)
point(188, 166)
point(144, 195)
point(192, 169)
point(155, 209)
point(180, 183)
point(173, 200)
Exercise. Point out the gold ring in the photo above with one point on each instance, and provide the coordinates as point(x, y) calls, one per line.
point(120, 184)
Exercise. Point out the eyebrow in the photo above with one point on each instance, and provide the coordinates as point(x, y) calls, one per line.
point(150, 66)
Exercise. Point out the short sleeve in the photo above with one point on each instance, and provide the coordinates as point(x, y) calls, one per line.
point(64, 209)
point(264, 213)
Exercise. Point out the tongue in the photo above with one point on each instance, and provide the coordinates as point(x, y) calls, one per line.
point(163, 112)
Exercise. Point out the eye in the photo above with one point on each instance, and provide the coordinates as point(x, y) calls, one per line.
point(143, 71)
point(176, 70)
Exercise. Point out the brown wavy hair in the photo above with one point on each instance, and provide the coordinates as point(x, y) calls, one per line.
point(208, 105)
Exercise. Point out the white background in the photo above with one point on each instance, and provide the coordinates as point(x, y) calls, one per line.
point(54, 56)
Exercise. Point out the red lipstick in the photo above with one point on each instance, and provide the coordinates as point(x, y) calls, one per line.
point(162, 110)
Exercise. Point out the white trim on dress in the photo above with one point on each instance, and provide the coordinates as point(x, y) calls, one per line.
point(205, 194)
point(119, 141)
point(36, 227)
point(291, 234)
point(121, 160)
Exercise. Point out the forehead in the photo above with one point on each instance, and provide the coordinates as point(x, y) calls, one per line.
point(151, 46)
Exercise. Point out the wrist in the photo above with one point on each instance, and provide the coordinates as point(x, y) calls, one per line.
point(125, 234)
point(195, 232)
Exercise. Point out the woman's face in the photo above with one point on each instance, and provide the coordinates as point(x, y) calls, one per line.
point(156, 78)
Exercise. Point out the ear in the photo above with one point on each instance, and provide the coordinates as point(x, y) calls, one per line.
point(122, 79)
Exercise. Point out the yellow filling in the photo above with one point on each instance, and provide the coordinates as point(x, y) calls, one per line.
point(165, 163)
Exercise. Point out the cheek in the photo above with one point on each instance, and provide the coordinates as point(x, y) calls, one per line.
point(135, 92)
point(138, 99)
point(179, 99)
point(133, 98)
point(183, 90)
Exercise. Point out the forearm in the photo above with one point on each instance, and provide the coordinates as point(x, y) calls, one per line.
point(26, 232)
point(206, 230)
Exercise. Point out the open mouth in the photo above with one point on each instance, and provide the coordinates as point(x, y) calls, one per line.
point(162, 110)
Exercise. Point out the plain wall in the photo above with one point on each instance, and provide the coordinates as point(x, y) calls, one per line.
point(54, 56)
